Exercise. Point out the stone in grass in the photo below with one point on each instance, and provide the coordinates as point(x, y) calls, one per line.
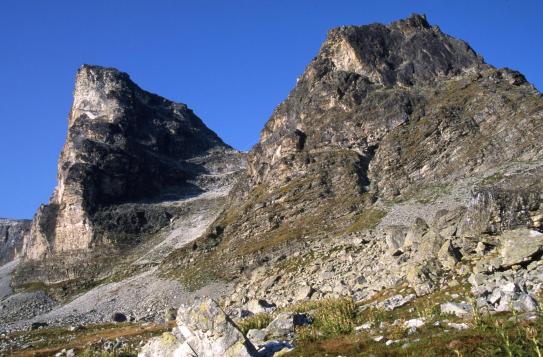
point(460, 326)
point(275, 348)
point(458, 309)
point(284, 324)
point(395, 302)
point(413, 324)
point(257, 336)
point(259, 306)
point(365, 326)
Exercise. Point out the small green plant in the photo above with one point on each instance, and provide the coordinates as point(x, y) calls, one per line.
point(336, 317)
point(477, 316)
point(505, 338)
point(428, 311)
point(531, 335)
point(258, 321)
point(330, 318)
point(376, 316)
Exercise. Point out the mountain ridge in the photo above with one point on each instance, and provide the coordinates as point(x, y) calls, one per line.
point(342, 145)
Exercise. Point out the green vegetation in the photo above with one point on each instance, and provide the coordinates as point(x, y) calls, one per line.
point(493, 337)
point(331, 318)
point(87, 341)
point(367, 219)
point(333, 331)
point(258, 321)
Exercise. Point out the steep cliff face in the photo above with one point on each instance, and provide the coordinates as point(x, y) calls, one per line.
point(384, 114)
point(12, 236)
point(127, 153)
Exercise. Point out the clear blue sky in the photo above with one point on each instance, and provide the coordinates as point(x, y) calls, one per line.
point(232, 61)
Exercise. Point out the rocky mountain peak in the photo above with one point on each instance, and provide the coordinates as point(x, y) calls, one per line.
point(97, 91)
point(125, 148)
point(405, 52)
point(381, 114)
point(115, 127)
point(414, 21)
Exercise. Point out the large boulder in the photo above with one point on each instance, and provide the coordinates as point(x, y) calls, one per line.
point(520, 246)
point(502, 207)
point(414, 234)
point(395, 237)
point(203, 330)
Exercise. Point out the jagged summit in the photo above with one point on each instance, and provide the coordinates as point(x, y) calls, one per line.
point(414, 20)
point(405, 52)
point(109, 95)
point(118, 129)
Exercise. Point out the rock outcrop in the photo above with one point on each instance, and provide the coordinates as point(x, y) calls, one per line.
point(127, 154)
point(12, 236)
point(203, 330)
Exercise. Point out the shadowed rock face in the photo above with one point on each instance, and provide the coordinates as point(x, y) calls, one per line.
point(12, 235)
point(365, 83)
point(381, 112)
point(126, 151)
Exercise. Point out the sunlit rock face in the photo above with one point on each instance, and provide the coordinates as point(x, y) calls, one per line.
point(126, 151)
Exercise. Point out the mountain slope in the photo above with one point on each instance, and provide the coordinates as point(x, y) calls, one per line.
point(386, 124)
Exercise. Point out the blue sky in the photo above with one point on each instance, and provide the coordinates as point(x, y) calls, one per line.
point(231, 61)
